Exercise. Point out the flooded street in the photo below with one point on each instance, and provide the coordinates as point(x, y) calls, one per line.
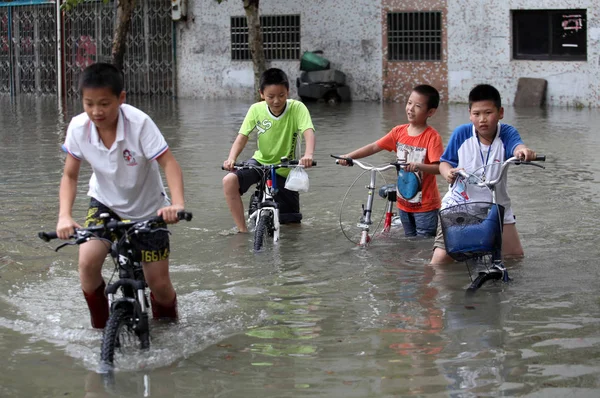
point(314, 316)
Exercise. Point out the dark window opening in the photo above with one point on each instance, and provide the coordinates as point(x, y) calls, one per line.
point(550, 35)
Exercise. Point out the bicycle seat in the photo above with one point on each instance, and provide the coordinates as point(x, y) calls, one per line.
point(388, 191)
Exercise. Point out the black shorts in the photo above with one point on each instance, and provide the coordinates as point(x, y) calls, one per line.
point(288, 201)
point(149, 247)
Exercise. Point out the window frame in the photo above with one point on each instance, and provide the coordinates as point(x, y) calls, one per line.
point(551, 54)
point(281, 42)
point(402, 46)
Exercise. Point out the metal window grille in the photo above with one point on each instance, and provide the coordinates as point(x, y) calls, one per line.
point(414, 36)
point(281, 37)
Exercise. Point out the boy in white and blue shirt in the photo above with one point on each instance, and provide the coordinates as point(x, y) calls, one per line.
point(483, 142)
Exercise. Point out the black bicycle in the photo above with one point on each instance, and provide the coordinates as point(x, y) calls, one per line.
point(128, 320)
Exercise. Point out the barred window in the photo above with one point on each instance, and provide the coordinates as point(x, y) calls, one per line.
point(550, 35)
point(281, 37)
point(414, 36)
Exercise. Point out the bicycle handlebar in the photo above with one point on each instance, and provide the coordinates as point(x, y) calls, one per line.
point(352, 162)
point(503, 168)
point(267, 166)
point(113, 225)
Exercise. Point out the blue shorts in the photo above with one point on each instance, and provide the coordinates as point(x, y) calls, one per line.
point(419, 224)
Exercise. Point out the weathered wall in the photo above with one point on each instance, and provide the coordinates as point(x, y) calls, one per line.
point(399, 77)
point(349, 33)
point(352, 34)
point(479, 50)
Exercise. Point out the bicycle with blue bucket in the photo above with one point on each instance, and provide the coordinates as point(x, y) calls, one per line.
point(473, 230)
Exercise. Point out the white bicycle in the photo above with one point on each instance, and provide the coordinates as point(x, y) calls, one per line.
point(263, 210)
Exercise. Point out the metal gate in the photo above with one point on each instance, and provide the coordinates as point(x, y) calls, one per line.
point(28, 46)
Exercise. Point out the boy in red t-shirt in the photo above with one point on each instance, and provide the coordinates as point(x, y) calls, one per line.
point(419, 145)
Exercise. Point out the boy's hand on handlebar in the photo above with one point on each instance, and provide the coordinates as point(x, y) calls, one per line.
point(306, 161)
point(525, 154)
point(451, 176)
point(414, 167)
point(66, 227)
point(343, 162)
point(228, 164)
point(169, 213)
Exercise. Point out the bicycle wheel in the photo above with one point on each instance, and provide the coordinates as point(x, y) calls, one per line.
point(263, 230)
point(120, 336)
point(483, 277)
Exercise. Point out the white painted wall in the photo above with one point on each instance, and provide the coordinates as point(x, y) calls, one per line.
point(349, 33)
point(479, 51)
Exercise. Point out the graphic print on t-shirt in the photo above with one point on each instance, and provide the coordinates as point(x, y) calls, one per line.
point(409, 183)
point(262, 127)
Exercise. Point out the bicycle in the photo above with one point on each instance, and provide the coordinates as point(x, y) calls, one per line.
point(473, 230)
point(387, 192)
point(128, 313)
point(263, 210)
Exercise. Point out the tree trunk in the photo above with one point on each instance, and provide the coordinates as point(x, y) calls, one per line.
point(255, 43)
point(122, 25)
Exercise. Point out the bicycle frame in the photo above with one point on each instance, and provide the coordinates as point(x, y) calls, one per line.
point(267, 190)
point(132, 283)
point(366, 221)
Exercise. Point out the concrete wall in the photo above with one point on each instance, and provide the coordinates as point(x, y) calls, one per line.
point(349, 33)
point(352, 34)
point(480, 50)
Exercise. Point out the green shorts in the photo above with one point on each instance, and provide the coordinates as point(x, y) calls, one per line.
point(149, 247)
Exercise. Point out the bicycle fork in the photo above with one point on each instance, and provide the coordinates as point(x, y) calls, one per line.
point(365, 221)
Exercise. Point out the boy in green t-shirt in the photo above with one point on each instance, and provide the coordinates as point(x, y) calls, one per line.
point(277, 121)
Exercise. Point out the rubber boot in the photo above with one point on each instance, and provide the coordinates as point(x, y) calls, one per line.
point(162, 312)
point(98, 305)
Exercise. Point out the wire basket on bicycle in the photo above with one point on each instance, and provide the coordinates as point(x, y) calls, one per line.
point(472, 230)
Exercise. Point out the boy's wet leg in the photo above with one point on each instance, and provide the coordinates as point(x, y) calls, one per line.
point(408, 223)
point(91, 258)
point(289, 204)
point(231, 190)
point(163, 298)
point(426, 223)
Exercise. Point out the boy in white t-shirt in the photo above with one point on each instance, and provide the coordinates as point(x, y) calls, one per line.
point(482, 142)
point(124, 148)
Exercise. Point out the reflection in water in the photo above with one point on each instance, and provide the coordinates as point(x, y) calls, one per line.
point(314, 316)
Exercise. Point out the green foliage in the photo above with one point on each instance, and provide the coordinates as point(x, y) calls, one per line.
point(70, 4)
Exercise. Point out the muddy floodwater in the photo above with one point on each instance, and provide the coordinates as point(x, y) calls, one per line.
point(315, 315)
